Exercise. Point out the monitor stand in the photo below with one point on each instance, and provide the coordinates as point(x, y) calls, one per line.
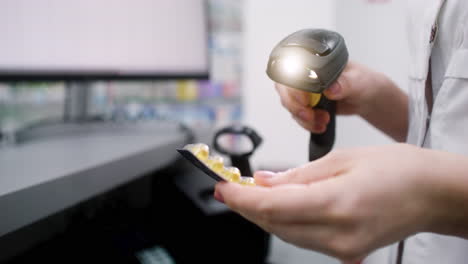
point(77, 97)
point(75, 114)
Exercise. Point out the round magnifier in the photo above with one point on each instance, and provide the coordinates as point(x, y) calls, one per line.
point(240, 141)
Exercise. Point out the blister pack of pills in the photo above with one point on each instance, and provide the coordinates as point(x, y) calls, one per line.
point(213, 165)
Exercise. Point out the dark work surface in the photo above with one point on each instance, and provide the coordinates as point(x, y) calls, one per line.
point(151, 211)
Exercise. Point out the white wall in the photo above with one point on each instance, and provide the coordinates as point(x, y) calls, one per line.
point(266, 23)
point(375, 35)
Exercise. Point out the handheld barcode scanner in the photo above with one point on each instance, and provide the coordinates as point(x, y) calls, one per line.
point(311, 60)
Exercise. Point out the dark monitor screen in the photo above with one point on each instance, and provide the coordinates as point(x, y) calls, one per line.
point(103, 39)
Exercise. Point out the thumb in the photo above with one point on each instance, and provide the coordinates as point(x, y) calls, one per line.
point(341, 88)
point(337, 90)
point(311, 172)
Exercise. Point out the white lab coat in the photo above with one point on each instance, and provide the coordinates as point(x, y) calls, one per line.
point(448, 128)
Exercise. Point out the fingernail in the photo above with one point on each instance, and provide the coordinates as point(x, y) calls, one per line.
point(266, 175)
point(319, 128)
point(334, 89)
point(218, 196)
point(303, 115)
point(322, 118)
point(302, 100)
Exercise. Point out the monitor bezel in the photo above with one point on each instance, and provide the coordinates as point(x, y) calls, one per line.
point(94, 76)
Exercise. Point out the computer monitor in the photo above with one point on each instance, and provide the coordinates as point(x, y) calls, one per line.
point(103, 39)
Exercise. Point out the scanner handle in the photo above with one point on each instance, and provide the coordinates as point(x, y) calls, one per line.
point(321, 144)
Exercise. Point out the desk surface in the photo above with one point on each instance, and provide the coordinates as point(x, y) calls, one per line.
point(42, 177)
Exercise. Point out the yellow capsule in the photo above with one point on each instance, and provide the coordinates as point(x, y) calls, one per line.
point(224, 173)
point(248, 181)
point(215, 163)
point(201, 151)
point(232, 174)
